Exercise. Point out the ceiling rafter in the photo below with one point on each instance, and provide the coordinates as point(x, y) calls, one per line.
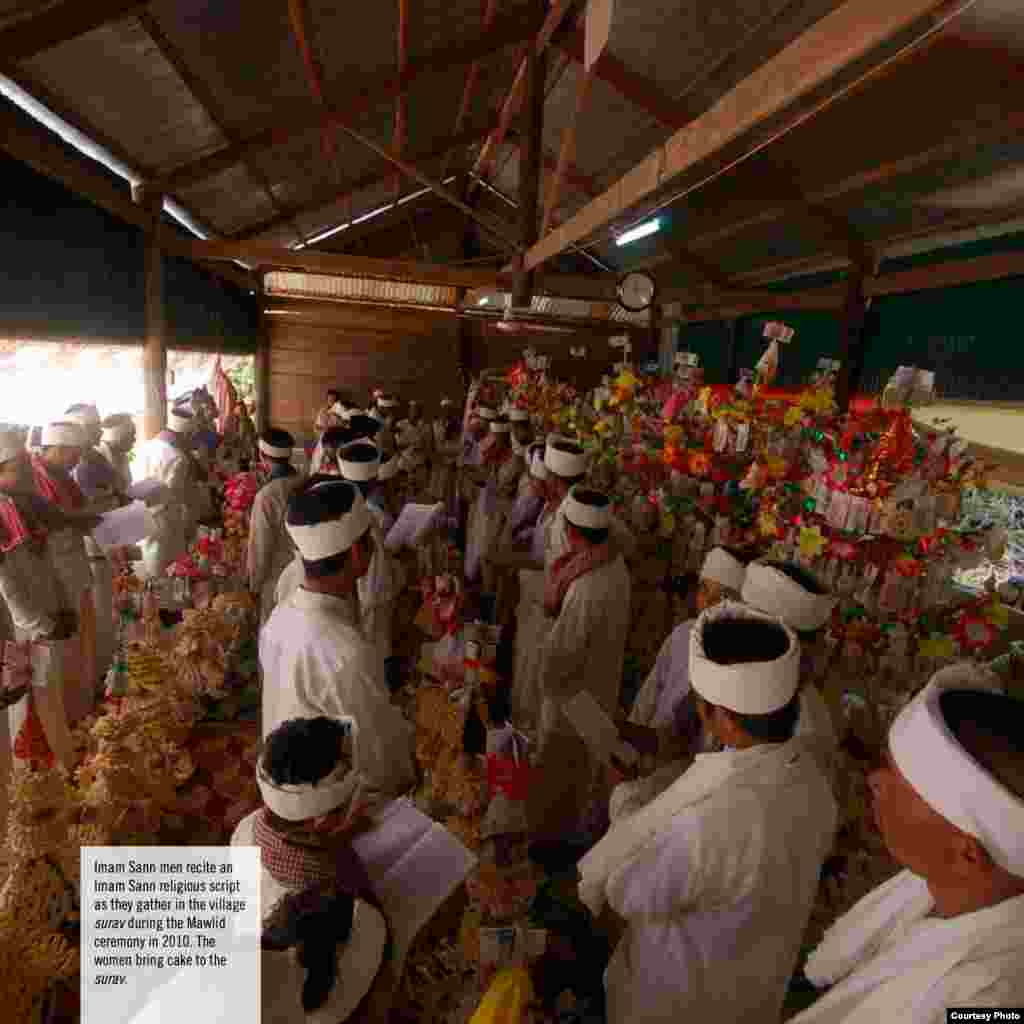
point(205, 98)
point(367, 90)
point(402, 99)
point(57, 24)
point(820, 66)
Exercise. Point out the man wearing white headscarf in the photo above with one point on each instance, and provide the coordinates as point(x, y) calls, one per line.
point(805, 605)
point(586, 597)
point(270, 549)
point(166, 458)
point(715, 879)
point(116, 443)
point(948, 931)
point(314, 658)
point(662, 723)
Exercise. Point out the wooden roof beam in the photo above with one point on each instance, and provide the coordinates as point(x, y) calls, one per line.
point(831, 57)
point(63, 21)
point(368, 90)
point(402, 99)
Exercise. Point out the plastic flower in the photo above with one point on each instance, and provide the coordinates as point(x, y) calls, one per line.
point(668, 524)
point(793, 416)
point(776, 467)
point(768, 523)
point(908, 566)
point(700, 463)
point(975, 632)
point(938, 645)
point(842, 549)
point(812, 542)
point(997, 614)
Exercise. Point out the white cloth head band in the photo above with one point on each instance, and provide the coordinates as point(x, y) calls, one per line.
point(178, 422)
point(360, 471)
point(949, 780)
point(749, 688)
point(770, 590)
point(519, 415)
point(590, 517)
point(324, 540)
point(387, 403)
point(69, 434)
point(486, 413)
point(566, 464)
point(500, 428)
point(298, 803)
point(274, 453)
point(720, 567)
point(12, 444)
point(83, 417)
point(119, 433)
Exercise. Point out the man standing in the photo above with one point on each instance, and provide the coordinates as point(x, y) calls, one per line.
point(948, 931)
point(116, 444)
point(166, 458)
point(715, 879)
point(586, 596)
point(62, 445)
point(314, 658)
point(270, 549)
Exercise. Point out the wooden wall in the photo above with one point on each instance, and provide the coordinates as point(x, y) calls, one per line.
point(355, 349)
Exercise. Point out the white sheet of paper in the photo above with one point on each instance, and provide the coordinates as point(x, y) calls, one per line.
point(597, 730)
point(412, 526)
point(414, 864)
point(125, 526)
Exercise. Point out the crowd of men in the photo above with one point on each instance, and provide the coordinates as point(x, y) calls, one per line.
point(698, 846)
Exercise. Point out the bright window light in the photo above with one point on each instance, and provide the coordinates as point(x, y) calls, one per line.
point(73, 137)
point(640, 231)
point(484, 301)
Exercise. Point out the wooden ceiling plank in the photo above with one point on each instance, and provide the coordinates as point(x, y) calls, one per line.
point(830, 47)
point(402, 99)
point(66, 20)
point(368, 90)
point(567, 152)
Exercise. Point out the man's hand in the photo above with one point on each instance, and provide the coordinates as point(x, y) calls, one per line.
point(640, 737)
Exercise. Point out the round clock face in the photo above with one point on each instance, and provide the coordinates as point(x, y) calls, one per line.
point(636, 292)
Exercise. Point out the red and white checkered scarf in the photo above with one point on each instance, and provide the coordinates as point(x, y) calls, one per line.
point(570, 567)
point(18, 524)
point(290, 863)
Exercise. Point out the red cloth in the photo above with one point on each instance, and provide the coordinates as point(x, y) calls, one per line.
point(56, 487)
point(491, 454)
point(570, 567)
point(290, 864)
point(14, 531)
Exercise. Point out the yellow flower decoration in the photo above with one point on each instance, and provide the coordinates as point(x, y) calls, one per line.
point(627, 380)
point(673, 435)
point(768, 523)
point(793, 416)
point(938, 645)
point(668, 524)
point(997, 614)
point(812, 542)
point(603, 427)
point(776, 467)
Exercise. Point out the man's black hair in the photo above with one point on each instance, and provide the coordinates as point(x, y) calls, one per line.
point(363, 452)
point(277, 438)
point(990, 727)
point(360, 426)
point(313, 505)
point(334, 437)
point(798, 574)
point(302, 751)
point(333, 395)
point(742, 641)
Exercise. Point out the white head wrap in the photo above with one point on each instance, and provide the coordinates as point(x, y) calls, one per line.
point(304, 801)
point(720, 567)
point(118, 432)
point(486, 413)
point(590, 517)
point(565, 464)
point(948, 779)
point(179, 421)
point(12, 444)
point(500, 427)
point(359, 471)
point(324, 540)
point(445, 402)
point(273, 452)
point(770, 590)
point(87, 417)
point(519, 415)
point(749, 688)
point(70, 434)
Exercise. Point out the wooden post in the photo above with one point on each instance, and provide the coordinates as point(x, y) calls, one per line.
point(154, 355)
point(853, 339)
point(656, 328)
point(531, 158)
point(732, 353)
point(262, 365)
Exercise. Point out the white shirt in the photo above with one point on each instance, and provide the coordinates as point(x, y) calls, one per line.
point(717, 901)
point(315, 662)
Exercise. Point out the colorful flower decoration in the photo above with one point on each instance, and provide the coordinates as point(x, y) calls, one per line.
point(938, 645)
point(812, 542)
point(974, 632)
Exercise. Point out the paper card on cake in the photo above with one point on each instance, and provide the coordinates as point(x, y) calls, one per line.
point(597, 729)
point(125, 526)
point(413, 525)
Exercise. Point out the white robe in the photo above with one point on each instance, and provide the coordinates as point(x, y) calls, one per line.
point(160, 460)
point(270, 547)
point(888, 960)
point(315, 661)
point(716, 884)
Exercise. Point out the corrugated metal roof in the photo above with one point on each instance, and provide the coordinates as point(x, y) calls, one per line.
point(292, 285)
